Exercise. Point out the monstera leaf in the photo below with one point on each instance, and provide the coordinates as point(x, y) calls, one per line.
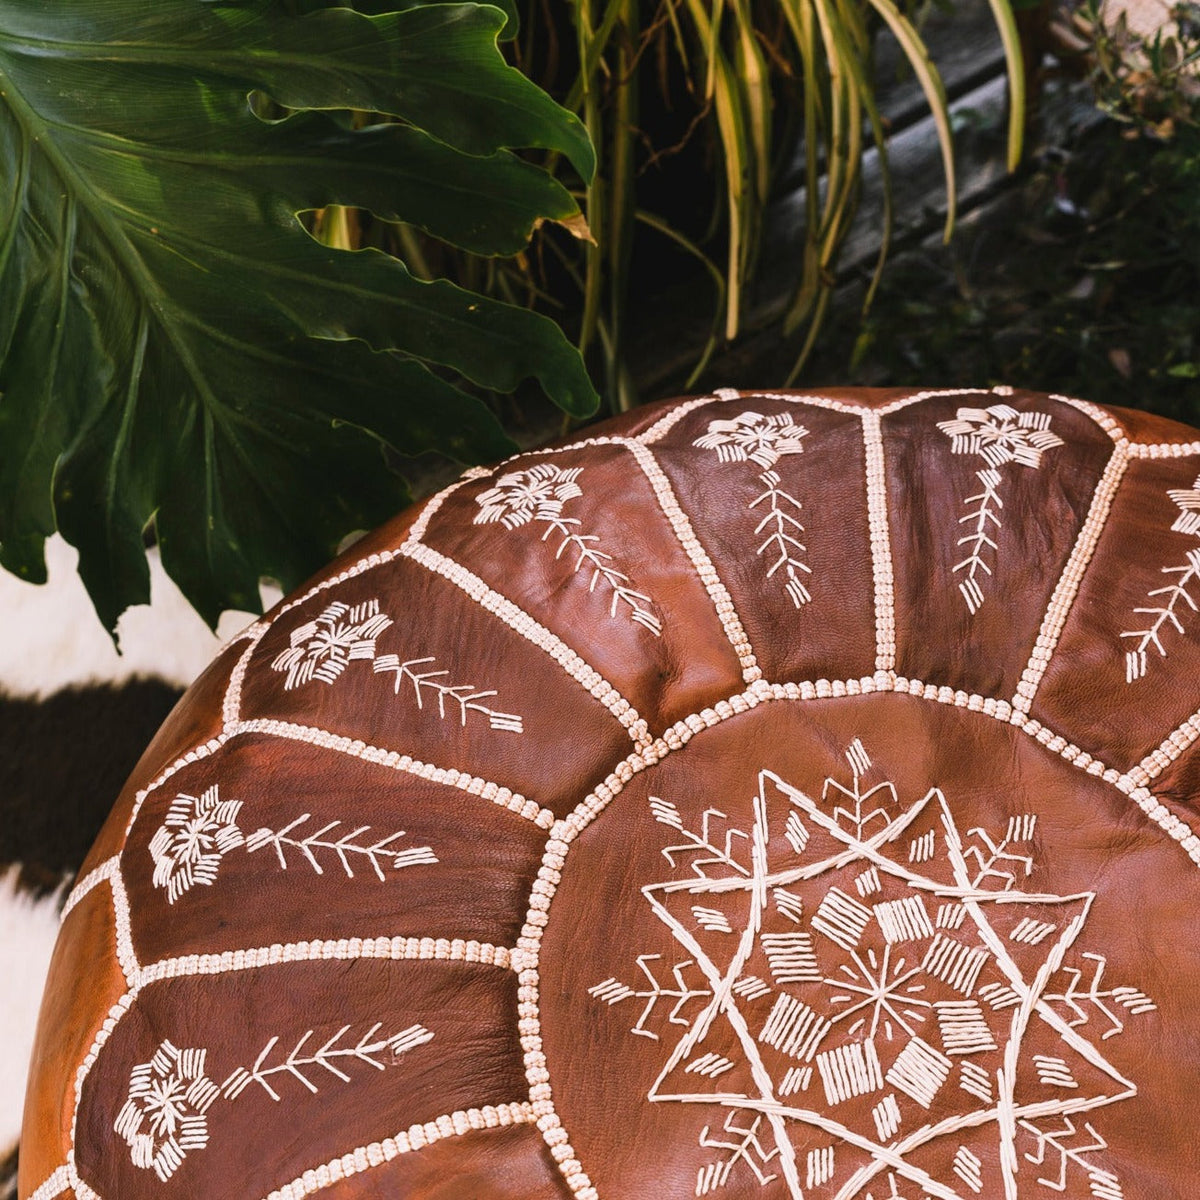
point(176, 348)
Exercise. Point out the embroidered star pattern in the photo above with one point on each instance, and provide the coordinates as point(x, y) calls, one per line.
point(876, 995)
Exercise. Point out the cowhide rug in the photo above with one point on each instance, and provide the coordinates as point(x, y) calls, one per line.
point(75, 716)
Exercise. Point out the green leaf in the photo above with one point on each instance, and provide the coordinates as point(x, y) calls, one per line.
point(175, 347)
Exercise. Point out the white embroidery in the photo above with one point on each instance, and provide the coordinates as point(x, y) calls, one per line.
point(325, 646)
point(331, 1057)
point(872, 1001)
point(611, 991)
point(462, 698)
point(1000, 435)
point(744, 1147)
point(1179, 598)
point(1054, 1149)
point(196, 834)
point(753, 437)
point(540, 493)
point(163, 1117)
point(378, 854)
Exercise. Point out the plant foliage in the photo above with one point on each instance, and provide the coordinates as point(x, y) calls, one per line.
point(176, 349)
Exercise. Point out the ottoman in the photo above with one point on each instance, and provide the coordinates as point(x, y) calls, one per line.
point(762, 795)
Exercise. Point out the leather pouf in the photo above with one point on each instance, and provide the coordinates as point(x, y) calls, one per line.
point(762, 796)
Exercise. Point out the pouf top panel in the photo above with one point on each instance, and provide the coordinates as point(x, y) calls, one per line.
point(764, 795)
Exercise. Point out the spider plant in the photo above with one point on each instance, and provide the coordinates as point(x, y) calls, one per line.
point(745, 64)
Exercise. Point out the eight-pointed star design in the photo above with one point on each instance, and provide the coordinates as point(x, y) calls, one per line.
point(928, 931)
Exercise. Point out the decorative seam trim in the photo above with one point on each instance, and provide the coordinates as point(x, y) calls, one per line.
point(195, 754)
point(665, 424)
point(414, 1138)
point(82, 1190)
point(118, 1010)
point(130, 967)
point(937, 393)
point(881, 543)
point(1106, 422)
point(506, 798)
point(516, 618)
point(1163, 449)
point(421, 524)
point(55, 1184)
point(344, 949)
point(526, 955)
point(89, 883)
point(231, 704)
point(1072, 577)
point(722, 602)
point(109, 872)
point(1172, 747)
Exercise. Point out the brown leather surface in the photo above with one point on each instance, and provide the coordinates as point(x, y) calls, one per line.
point(767, 797)
point(83, 984)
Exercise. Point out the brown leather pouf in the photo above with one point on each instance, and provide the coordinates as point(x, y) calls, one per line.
point(762, 796)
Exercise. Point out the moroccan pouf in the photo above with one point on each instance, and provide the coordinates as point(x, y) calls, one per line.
point(765, 795)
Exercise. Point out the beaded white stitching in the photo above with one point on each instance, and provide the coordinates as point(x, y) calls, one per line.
point(416, 1137)
point(231, 702)
point(526, 954)
point(53, 1185)
point(1000, 435)
point(88, 883)
point(1069, 582)
point(763, 440)
point(1177, 599)
point(664, 425)
point(516, 618)
point(722, 602)
point(1164, 449)
point(878, 1008)
point(540, 493)
point(1171, 748)
point(1106, 422)
point(395, 949)
point(881, 543)
point(394, 760)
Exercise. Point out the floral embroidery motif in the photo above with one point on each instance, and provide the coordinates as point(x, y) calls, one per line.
point(753, 437)
point(196, 834)
point(1178, 598)
point(874, 984)
point(540, 493)
point(164, 1116)
point(325, 646)
point(322, 649)
point(999, 435)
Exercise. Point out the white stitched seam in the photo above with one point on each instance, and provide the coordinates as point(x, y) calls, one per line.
point(881, 543)
point(709, 577)
point(1171, 748)
point(56, 1183)
point(1069, 581)
point(394, 949)
point(527, 952)
point(516, 618)
point(1106, 422)
point(506, 798)
point(362, 1158)
point(1163, 449)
